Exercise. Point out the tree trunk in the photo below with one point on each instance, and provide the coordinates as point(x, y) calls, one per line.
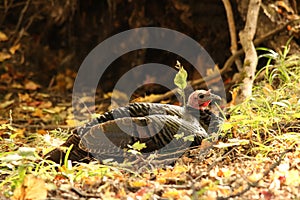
point(251, 60)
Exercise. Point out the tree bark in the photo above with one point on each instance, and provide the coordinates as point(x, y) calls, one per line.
point(250, 61)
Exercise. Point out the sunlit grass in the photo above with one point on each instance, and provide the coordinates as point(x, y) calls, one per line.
point(273, 106)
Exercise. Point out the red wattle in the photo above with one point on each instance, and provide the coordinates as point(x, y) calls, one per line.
point(205, 104)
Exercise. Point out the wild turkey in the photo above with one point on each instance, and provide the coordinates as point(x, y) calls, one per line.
point(154, 124)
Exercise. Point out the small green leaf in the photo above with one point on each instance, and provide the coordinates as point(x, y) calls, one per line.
point(296, 115)
point(178, 136)
point(137, 146)
point(189, 138)
point(226, 126)
point(180, 79)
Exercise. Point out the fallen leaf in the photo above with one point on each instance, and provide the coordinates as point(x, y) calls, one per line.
point(32, 188)
point(172, 193)
point(3, 37)
point(255, 177)
point(138, 183)
point(285, 6)
point(292, 178)
point(47, 104)
point(4, 56)
point(38, 113)
point(24, 97)
point(41, 132)
point(14, 48)
point(72, 122)
point(30, 85)
point(267, 195)
point(7, 103)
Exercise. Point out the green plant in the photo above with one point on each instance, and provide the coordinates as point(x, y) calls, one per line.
point(180, 80)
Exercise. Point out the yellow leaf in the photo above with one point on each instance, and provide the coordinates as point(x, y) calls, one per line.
point(72, 122)
point(292, 178)
point(41, 132)
point(4, 56)
point(255, 177)
point(138, 183)
point(267, 89)
point(171, 193)
point(38, 113)
point(30, 85)
point(24, 97)
point(3, 37)
point(13, 49)
point(226, 126)
point(296, 115)
point(179, 169)
point(32, 188)
point(7, 103)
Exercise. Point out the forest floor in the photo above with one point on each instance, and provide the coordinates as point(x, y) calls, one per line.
point(258, 157)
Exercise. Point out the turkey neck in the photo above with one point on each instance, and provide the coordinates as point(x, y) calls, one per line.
point(202, 115)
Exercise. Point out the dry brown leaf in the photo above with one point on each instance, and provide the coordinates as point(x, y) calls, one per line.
point(213, 71)
point(24, 97)
point(42, 132)
point(267, 89)
point(30, 85)
point(4, 56)
point(285, 6)
point(38, 113)
point(14, 48)
point(32, 188)
point(19, 133)
point(72, 122)
point(6, 104)
point(3, 37)
point(255, 177)
point(138, 183)
point(234, 95)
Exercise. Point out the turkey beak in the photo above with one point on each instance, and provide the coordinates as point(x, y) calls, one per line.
point(215, 97)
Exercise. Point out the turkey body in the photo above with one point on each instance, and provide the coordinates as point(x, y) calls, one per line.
point(156, 125)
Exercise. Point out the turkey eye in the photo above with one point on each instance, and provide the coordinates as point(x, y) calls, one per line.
point(201, 96)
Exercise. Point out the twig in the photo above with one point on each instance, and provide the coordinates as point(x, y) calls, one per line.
point(23, 30)
point(232, 31)
point(22, 15)
point(7, 6)
point(265, 173)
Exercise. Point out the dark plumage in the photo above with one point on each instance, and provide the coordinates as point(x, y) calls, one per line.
point(154, 124)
